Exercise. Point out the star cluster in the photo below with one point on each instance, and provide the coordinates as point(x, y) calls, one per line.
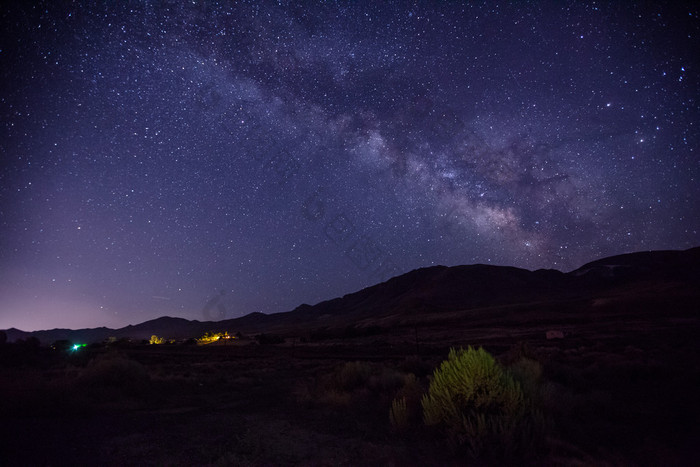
point(211, 159)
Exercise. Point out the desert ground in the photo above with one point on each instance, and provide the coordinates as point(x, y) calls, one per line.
point(619, 388)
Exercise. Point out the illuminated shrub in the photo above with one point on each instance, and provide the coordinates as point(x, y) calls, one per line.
point(475, 402)
point(156, 340)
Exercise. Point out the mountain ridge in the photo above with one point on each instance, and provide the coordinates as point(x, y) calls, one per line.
point(433, 289)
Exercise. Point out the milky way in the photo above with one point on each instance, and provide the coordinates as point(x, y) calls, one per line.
point(208, 160)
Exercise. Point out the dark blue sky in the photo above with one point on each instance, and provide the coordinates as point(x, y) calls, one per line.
point(155, 154)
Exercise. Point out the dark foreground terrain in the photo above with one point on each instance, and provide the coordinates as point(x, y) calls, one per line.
point(620, 388)
point(607, 355)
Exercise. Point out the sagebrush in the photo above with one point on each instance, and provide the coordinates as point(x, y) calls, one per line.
point(477, 403)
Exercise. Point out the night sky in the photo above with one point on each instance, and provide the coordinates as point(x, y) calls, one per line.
point(208, 160)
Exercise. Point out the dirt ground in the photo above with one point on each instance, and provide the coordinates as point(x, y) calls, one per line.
point(618, 390)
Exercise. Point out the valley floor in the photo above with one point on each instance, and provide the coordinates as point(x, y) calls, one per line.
point(613, 394)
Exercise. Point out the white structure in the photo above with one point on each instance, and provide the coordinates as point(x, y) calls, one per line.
point(555, 334)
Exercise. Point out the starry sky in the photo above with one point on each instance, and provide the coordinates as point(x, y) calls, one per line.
point(208, 160)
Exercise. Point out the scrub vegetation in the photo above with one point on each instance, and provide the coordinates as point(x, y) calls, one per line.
point(365, 401)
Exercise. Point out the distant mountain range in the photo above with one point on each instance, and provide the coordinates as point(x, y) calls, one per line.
point(436, 290)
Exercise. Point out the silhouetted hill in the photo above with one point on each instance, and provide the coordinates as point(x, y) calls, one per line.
point(669, 264)
point(437, 289)
point(172, 328)
point(14, 334)
point(440, 288)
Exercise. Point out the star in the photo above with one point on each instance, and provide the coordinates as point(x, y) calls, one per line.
point(292, 155)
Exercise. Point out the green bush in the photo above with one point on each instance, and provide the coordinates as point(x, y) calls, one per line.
point(475, 402)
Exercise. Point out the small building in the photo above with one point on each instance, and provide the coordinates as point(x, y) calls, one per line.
point(555, 334)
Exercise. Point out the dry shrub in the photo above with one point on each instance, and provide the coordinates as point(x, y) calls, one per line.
point(337, 388)
point(114, 375)
point(347, 382)
point(417, 366)
point(398, 414)
point(410, 393)
point(351, 376)
point(335, 398)
point(371, 386)
point(385, 381)
point(405, 409)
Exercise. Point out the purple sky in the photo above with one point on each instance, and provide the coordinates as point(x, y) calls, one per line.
point(155, 156)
